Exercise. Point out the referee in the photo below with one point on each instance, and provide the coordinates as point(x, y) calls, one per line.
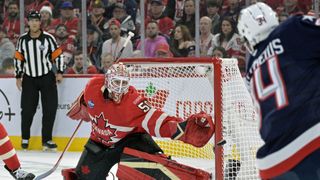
point(36, 52)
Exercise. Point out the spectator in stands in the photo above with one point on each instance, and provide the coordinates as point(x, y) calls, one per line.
point(97, 18)
point(305, 5)
point(130, 7)
point(67, 18)
point(213, 9)
point(152, 40)
point(205, 35)
point(203, 7)
point(230, 41)
point(157, 14)
point(106, 61)
point(7, 48)
point(163, 51)
point(127, 23)
point(116, 42)
point(4, 5)
point(46, 19)
point(292, 7)
point(12, 22)
point(274, 4)
point(182, 40)
point(37, 5)
point(4, 9)
point(188, 18)
point(79, 64)
point(66, 43)
point(94, 43)
point(7, 66)
point(233, 10)
point(174, 9)
point(219, 52)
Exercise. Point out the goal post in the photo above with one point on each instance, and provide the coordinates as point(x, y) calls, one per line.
point(184, 86)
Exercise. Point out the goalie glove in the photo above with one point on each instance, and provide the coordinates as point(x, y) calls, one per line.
point(196, 130)
point(78, 109)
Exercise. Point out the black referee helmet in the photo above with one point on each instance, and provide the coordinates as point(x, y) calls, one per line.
point(34, 15)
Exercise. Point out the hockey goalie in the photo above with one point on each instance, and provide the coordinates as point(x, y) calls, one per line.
point(122, 125)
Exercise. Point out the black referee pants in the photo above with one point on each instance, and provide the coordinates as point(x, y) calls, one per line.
point(31, 86)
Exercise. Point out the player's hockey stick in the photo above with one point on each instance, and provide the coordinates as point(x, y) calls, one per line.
point(44, 175)
point(130, 35)
point(124, 21)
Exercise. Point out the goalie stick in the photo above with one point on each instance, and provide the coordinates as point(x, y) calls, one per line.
point(46, 174)
point(130, 35)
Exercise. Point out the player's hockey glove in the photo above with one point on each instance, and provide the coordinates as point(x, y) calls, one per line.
point(78, 109)
point(196, 130)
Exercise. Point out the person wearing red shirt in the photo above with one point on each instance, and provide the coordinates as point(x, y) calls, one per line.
point(67, 18)
point(36, 5)
point(79, 65)
point(156, 14)
point(11, 22)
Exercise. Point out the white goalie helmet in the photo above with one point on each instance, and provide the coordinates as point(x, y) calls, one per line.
point(255, 23)
point(117, 81)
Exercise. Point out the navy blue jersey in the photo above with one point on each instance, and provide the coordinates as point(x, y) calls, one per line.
point(284, 75)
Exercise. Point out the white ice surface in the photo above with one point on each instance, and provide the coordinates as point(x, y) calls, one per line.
point(39, 162)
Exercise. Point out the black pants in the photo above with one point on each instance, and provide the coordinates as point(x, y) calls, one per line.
point(96, 160)
point(31, 86)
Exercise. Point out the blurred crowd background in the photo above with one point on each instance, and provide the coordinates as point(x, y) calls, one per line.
point(92, 32)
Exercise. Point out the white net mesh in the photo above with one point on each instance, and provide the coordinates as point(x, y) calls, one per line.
point(184, 88)
point(240, 128)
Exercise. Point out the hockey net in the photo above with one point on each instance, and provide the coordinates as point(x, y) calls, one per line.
point(182, 87)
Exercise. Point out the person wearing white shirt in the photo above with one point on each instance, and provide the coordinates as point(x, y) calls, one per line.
point(115, 44)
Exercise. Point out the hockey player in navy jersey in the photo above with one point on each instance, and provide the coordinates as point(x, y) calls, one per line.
point(283, 72)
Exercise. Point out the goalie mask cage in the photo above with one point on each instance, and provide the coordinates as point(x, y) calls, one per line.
point(181, 87)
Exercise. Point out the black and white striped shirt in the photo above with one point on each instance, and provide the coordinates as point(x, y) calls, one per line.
point(35, 56)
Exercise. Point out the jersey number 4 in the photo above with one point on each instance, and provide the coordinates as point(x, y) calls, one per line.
point(276, 88)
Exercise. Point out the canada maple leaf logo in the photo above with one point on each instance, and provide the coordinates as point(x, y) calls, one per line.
point(103, 128)
point(111, 131)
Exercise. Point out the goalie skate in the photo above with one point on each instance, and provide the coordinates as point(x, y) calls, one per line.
point(20, 174)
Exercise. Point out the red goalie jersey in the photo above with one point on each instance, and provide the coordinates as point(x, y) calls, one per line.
point(111, 122)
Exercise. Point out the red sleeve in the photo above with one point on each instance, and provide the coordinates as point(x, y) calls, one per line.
point(154, 121)
point(73, 26)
